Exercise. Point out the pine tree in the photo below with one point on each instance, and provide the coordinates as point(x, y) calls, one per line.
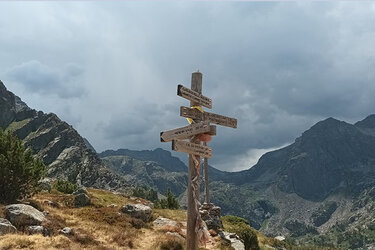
point(169, 202)
point(20, 171)
point(172, 202)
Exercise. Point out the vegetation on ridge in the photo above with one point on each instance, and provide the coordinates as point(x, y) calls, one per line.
point(20, 171)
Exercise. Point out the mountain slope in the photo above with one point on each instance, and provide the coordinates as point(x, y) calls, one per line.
point(157, 169)
point(311, 189)
point(148, 171)
point(57, 143)
point(331, 155)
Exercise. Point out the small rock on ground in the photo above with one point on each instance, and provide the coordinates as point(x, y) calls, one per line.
point(66, 231)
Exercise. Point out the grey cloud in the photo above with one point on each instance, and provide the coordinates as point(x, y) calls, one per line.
point(40, 78)
point(278, 67)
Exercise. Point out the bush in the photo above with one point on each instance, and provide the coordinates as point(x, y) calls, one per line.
point(64, 186)
point(241, 227)
point(145, 193)
point(170, 202)
point(20, 171)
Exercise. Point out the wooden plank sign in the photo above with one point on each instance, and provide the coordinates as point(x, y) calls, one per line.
point(206, 116)
point(194, 96)
point(191, 148)
point(188, 131)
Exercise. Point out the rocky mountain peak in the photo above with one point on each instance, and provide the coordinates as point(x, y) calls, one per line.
point(56, 142)
point(368, 122)
point(2, 86)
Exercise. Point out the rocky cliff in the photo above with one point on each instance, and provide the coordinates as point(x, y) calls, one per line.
point(57, 143)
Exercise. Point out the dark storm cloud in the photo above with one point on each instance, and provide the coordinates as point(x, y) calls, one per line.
point(37, 77)
point(278, 67)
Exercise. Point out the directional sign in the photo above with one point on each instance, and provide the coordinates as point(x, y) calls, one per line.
point(194, 96)
point(191, 148)
point(188, 131)
point(206, 116)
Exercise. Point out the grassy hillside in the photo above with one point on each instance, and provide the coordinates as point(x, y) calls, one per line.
point(102, 226)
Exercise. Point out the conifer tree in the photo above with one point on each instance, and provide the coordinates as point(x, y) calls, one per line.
point(20, 171)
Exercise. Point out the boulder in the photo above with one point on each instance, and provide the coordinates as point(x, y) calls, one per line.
point(163, 222)
point(138, 211)
point(6, 227)
point(21, 215)
point(81, 200)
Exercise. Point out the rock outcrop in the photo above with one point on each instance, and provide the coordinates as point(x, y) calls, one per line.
point(57, 143)
point(81, 200)
point(138, 211)
point(164, 222)
point(21, 215)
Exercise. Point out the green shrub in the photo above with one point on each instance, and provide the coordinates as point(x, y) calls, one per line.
point(148, 194)
point(64, 186)
point(20, 171)
point(170, 202)
point(241, 227)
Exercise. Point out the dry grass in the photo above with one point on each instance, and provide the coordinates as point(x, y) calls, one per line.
point(169, 243)
point(19, 241)
point(125, 239)
point(177, 215)
point(104, 198)
point(172, 229)
point(98, 226)
point(264, 242)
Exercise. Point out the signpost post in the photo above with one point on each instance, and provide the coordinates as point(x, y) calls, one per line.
point(200, 125)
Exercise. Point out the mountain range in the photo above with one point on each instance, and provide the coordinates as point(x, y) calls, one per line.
point(319, 189)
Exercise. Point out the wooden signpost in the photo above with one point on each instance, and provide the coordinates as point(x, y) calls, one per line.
point(206, 116)
point(194, 96)
point(188, 131)
point(192, 148)
point(200, 125)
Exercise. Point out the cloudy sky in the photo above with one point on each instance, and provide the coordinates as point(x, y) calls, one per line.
point(111, 69)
